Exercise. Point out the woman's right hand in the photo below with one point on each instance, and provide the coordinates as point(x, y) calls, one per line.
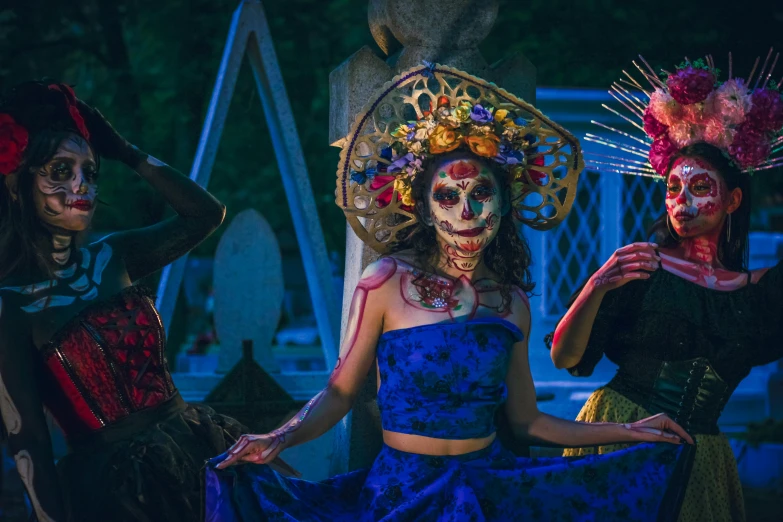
point(259, 449)
point(630, 262)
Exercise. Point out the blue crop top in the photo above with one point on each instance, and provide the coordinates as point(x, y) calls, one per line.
point(445, 380)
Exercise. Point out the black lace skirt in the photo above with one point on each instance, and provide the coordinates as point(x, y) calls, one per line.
point(150, 469)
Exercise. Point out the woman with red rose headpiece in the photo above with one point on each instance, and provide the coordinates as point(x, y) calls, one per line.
point(77, 338)
point(683, 317)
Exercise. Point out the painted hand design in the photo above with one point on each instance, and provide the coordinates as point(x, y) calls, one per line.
point(260, 449)
point(103, 137)
point(630, 262)
point(658, 428)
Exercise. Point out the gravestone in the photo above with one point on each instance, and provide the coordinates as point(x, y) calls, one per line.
point(248, 289)
point(408, 32)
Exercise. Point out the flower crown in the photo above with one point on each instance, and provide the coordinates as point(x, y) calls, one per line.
point(742, 118)
point(496, 134)
point(433, 109)
point(14, 136)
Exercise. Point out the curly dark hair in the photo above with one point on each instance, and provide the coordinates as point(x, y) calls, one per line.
point(25, 241)
point(733, 254)
point(508, 255)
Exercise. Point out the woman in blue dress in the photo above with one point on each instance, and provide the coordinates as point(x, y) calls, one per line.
point(443, 319)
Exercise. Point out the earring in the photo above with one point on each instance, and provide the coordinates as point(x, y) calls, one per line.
point(728, 229)
point(669, 226)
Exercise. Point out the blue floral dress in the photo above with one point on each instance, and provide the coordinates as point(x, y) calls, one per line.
point(446, 381)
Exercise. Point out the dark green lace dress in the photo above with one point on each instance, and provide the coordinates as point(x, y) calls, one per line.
point(683, 349)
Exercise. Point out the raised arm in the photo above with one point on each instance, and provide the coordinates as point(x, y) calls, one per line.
point(365, 324)
point(149, 249)
point(29, 442)
point(541, 429)
point(573, 331)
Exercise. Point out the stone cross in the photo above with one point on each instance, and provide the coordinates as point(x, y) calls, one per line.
point(408, 32)
point(248, 288)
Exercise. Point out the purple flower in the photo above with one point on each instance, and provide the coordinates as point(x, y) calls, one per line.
point(749, 147)
point(400, 162)
point(766, 112)
point(652, 126)
point(480, 115)
point(690, 84)
point(660, 154)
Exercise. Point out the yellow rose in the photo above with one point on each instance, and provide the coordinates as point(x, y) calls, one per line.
point(462, 113)
point(443, 139)
point(501, 114)
point(486, 145)
point(403, 188)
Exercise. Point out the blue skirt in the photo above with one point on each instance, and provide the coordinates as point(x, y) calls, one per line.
point(644, 482)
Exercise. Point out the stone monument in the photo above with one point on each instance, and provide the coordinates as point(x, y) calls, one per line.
point(248, 289)
point(408, 32)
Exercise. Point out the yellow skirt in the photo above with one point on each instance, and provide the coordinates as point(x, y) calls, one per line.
point(714, 492)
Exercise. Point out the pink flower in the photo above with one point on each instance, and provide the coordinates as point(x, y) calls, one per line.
point(750, 147)
point(660, 154)
point(766, 112)
point(664, 108)
point(690, 85)
point(652, 126)
point(694, 113)
point(683, 134)
point(717, 133)
point(731, 101)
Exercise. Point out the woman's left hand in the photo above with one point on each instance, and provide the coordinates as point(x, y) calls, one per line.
point(105, 138)
point(658, 428)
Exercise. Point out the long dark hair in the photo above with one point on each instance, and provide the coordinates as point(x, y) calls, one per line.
point(25, 241)
point(508, 256)
point(733, 254)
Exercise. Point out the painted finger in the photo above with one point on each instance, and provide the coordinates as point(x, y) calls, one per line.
point(635, 256)
point(679, 430)
point(269, 449)
point(239, 445)
point(640, 266)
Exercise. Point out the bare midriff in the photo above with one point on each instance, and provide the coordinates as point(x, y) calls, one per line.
point(431, 446)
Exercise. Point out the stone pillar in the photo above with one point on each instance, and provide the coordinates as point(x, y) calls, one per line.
point(408, 32)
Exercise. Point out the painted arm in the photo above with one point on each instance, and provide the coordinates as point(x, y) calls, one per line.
point(573, 331)
point(540, 429)
point(149, 249)
point(29, 442)
point(322, 412)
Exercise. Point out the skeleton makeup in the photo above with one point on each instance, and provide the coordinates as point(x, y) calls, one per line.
point(696, 198)
point(65, 188)
point(465, 208)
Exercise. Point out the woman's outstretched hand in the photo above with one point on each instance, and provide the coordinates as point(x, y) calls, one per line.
point(630, 262)
point(259, 449)
point(658, 428)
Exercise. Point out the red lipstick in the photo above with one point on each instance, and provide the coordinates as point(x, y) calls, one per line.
point(472, 232)
point(82, 204)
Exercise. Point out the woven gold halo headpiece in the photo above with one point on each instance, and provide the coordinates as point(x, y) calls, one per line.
point(441, 109)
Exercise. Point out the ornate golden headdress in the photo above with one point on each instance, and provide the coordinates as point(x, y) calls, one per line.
point(434, 109)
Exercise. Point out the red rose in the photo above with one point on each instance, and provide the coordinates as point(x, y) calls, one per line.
point(70, 99)
point(384, 198)
point(461, 170)
point(13, 142)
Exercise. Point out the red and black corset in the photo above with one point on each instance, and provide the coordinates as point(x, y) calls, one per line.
point(106, 364)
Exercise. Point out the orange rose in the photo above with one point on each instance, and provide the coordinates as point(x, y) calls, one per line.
point(486, 146)
point(444, 139)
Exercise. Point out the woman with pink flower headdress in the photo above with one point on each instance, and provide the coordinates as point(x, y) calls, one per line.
point(683, 317)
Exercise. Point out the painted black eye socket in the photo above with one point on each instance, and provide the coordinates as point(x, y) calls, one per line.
point(445, 196)
point(483, 191)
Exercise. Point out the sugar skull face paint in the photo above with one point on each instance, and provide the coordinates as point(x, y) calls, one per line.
point(465, 208)
point(696, 198)
point(65, 188)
